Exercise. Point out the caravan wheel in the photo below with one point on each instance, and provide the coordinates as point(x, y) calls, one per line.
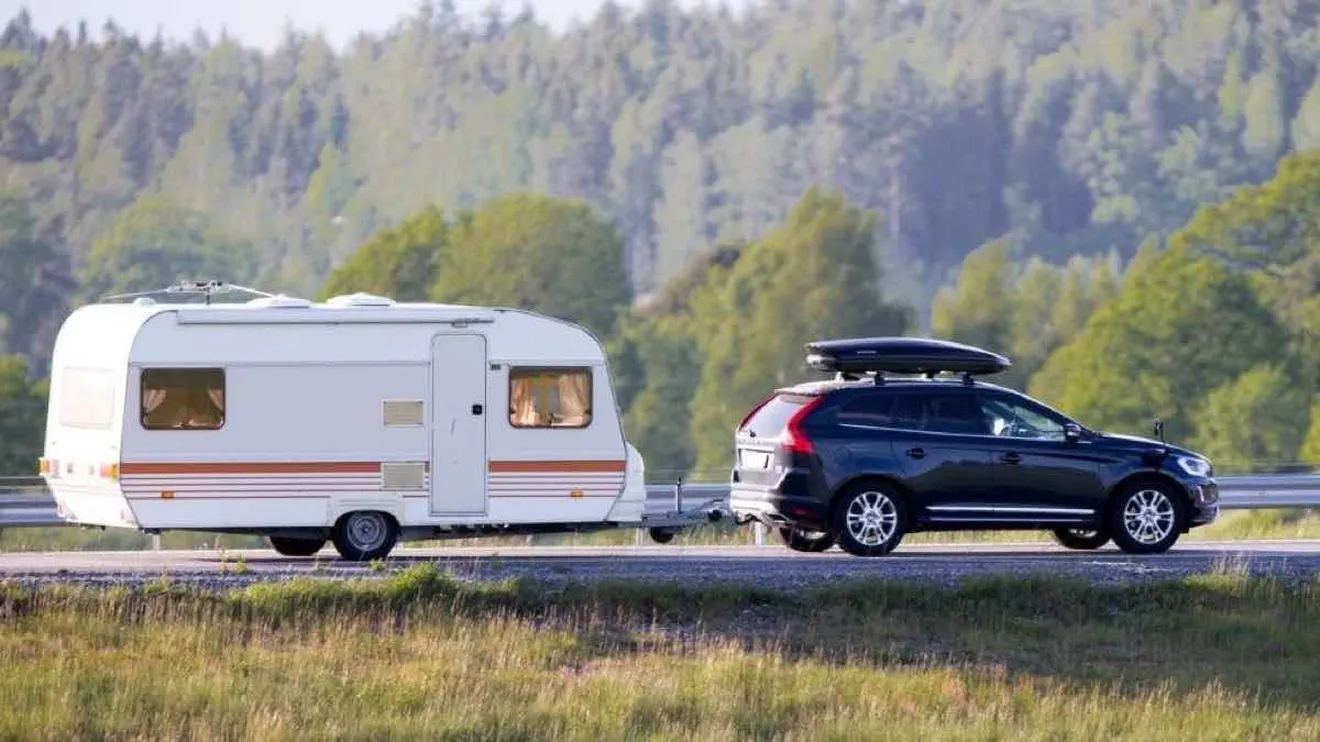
point(364, 535)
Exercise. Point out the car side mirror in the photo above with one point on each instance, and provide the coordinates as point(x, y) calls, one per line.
point(1072, 432)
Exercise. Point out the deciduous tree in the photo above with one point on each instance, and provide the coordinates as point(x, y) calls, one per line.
point(400, 263)
point(545, 254)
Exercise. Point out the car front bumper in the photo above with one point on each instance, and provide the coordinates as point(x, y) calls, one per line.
point(1203, 494)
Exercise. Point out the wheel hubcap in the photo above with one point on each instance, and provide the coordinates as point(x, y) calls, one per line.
point(872, 518)
point(366, 530)
point(1148, 516)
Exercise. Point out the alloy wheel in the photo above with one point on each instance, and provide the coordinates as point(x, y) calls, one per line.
point(1148, 516)
point(872, 518)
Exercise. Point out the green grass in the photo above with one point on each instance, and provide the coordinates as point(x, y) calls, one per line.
point(421, 656)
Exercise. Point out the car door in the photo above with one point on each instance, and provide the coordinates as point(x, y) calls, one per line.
point(945, 463)
point(1039, 473)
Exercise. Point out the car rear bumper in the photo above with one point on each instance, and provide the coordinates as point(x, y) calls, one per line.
point(775, 508)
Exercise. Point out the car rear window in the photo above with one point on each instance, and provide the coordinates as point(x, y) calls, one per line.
point(769, 421)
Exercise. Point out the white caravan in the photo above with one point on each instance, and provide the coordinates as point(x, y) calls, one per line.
point(360, 420)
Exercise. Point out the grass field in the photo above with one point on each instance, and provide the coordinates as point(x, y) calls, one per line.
point(423, 656)
point(1232, 525)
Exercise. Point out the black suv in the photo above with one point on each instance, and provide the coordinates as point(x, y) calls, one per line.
point(864, 458)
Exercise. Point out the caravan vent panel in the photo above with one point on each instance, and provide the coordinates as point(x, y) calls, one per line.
point(360, 299)
point(394, 476)
point(403, 413)
point(280, 301)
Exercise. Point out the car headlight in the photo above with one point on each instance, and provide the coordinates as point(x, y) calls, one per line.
point(1195, 466)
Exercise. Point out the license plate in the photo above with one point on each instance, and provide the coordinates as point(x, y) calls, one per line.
point(754, 459)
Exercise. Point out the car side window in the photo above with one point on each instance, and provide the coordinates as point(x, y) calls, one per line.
point(874, 409)
point(910, 412)
point(1008, 417)
point(954, 412)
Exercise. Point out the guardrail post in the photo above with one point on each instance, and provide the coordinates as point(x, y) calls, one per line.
point(155, 541)
point(758, 531)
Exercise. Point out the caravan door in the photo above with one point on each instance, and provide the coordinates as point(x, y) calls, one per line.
point(458, 425)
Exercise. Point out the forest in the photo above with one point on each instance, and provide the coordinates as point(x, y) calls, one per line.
point(1118, 194)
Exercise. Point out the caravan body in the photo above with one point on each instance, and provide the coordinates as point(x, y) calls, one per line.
point(347, 419)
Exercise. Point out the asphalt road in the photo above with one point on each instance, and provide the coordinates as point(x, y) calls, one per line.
point(771, 567)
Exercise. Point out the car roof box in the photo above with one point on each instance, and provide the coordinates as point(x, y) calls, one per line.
point(902, 355)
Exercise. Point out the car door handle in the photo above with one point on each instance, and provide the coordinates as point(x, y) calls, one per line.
point(1011, 458)
point(916, 453)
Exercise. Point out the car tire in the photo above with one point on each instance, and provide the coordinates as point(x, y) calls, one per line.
point(295, 547)
point(870, 519)
point(364, 535)
point(1081, 540)
point(804, 540)
point(1147, 517)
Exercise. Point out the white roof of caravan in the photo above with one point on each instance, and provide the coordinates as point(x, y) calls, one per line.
point(347, 309)
point(333, 329)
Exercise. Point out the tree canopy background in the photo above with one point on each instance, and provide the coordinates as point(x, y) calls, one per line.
point(1051, 179)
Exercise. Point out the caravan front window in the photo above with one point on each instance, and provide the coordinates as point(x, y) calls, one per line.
point(87, 398)
point(183, 398)
point(550, 397)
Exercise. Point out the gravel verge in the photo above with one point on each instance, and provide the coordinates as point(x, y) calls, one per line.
point(789, 573)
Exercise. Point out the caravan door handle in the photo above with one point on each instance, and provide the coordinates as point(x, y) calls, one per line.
point(1011, 458)
point(476, 409)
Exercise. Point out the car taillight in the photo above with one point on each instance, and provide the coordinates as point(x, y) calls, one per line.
point(793, 439)
point(753, 411)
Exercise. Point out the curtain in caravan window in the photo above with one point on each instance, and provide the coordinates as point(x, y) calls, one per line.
point(575, 398)
point(549, 398)
point(152, 400)
point(183, 399)
point(522, 405)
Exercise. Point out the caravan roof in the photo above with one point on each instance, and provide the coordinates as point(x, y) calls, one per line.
point(349, 328)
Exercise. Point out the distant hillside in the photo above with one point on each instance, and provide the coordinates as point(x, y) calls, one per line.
point(1067, 127)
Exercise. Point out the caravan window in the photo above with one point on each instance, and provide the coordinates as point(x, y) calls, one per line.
point(87, 398)
point(550, 397)
point(183, 398)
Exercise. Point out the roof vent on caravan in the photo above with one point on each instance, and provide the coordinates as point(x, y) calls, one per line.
point(360, 299)
point(143, 301)
point(279, 301)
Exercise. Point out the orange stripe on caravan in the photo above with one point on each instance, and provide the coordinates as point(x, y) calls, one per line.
point(253, 467)
point(610, 465)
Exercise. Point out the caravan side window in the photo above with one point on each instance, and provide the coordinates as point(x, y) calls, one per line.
point(549, 397)
point(183, 398)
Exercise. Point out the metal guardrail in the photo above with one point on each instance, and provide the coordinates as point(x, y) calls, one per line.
point(25, 502)
point(1267, 491)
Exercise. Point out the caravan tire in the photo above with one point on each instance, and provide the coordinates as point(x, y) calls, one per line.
point(296, 547)
point(364, 535)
